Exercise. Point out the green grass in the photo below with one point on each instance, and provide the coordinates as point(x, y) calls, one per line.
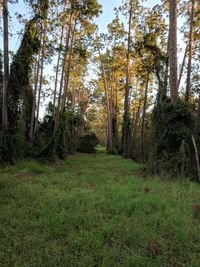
point(96, 211)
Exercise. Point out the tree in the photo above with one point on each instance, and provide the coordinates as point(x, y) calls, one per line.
point(173, 78)
point(108, 107)
point(126, 119)
point(190, 48)
point(6, 66)
point(44, 13)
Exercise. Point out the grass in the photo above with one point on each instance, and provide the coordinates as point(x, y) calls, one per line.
point(96, 211)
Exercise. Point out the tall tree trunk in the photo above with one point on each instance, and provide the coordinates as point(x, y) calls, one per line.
point(143, 118)
point(69, 30)
point(164, 93)
point(41, 74)
point(187, 93)
point(134, 130)
point(0, 11)
point(115, 113)
point(37, 70)
point(68, 70)
point(173, 78)
point(6, 66)
point(108, 111)
point(58, 63)
point(111, 103)
point(182, 66)
point(198, 109)
point(126, 117)
point(57, 71)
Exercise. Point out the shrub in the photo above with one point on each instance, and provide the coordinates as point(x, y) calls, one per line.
point(87, 143)
point(171, 124)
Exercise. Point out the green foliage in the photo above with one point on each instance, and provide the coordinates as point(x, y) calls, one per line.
point(73, 122)
point(63, 141)
point(87, 143)
point(7, 148)
point(19, 87)
point(96, 211)
point(14, 141)
point(87, 8)
point(171, 124)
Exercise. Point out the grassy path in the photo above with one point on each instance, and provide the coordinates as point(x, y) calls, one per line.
point(96, 211)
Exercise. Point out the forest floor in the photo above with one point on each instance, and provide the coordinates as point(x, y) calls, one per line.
point(96, 211)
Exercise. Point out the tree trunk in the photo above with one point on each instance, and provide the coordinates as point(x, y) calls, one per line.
point(41, 74)
point(108, 111)
point(6, 66)
point(126, 118)
point(187, 93)
point(63, 72)
point(173, 78)
point(67, 71)
point(115, 113)
point(143, 118)
point(197, 157)
point(198, 109)
point(134, 131)
point(182, 66)
point(37, 70)
point(0, 11)
point(58, 64)
point(164, 93)
point(57, 71)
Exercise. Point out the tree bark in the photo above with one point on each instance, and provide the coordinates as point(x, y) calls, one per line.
point(0, 11)
point(115, 112)
point(6, 66)
point(63, 72)
point(197, 157)
point(67, 71)
point(57, 71)
point(108, 111)
point(41, 74)
point(126, 118)
point(58, 64)
point(198, 109)
point(37, 70)
point(143, 117)
point(187, 93)
point(164, 93)
point(134, 131)
point(173, 78)
point(182, 66)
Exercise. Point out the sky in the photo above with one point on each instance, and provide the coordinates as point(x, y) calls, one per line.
point(108, 11)
point(103, 20)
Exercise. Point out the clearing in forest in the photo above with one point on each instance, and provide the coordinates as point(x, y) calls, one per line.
point(96, 211)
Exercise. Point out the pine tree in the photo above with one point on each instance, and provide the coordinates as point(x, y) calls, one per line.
point(173, 78)
point(6, 66)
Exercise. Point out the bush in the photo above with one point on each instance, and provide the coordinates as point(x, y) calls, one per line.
point(87, 143)
point(7, 148)
point(171, 124)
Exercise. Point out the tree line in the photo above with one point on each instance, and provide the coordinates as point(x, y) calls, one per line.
point(57, 33)
point(151, 101)
point(126, 85)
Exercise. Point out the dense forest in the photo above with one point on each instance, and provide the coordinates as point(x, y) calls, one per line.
point(133, 88)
